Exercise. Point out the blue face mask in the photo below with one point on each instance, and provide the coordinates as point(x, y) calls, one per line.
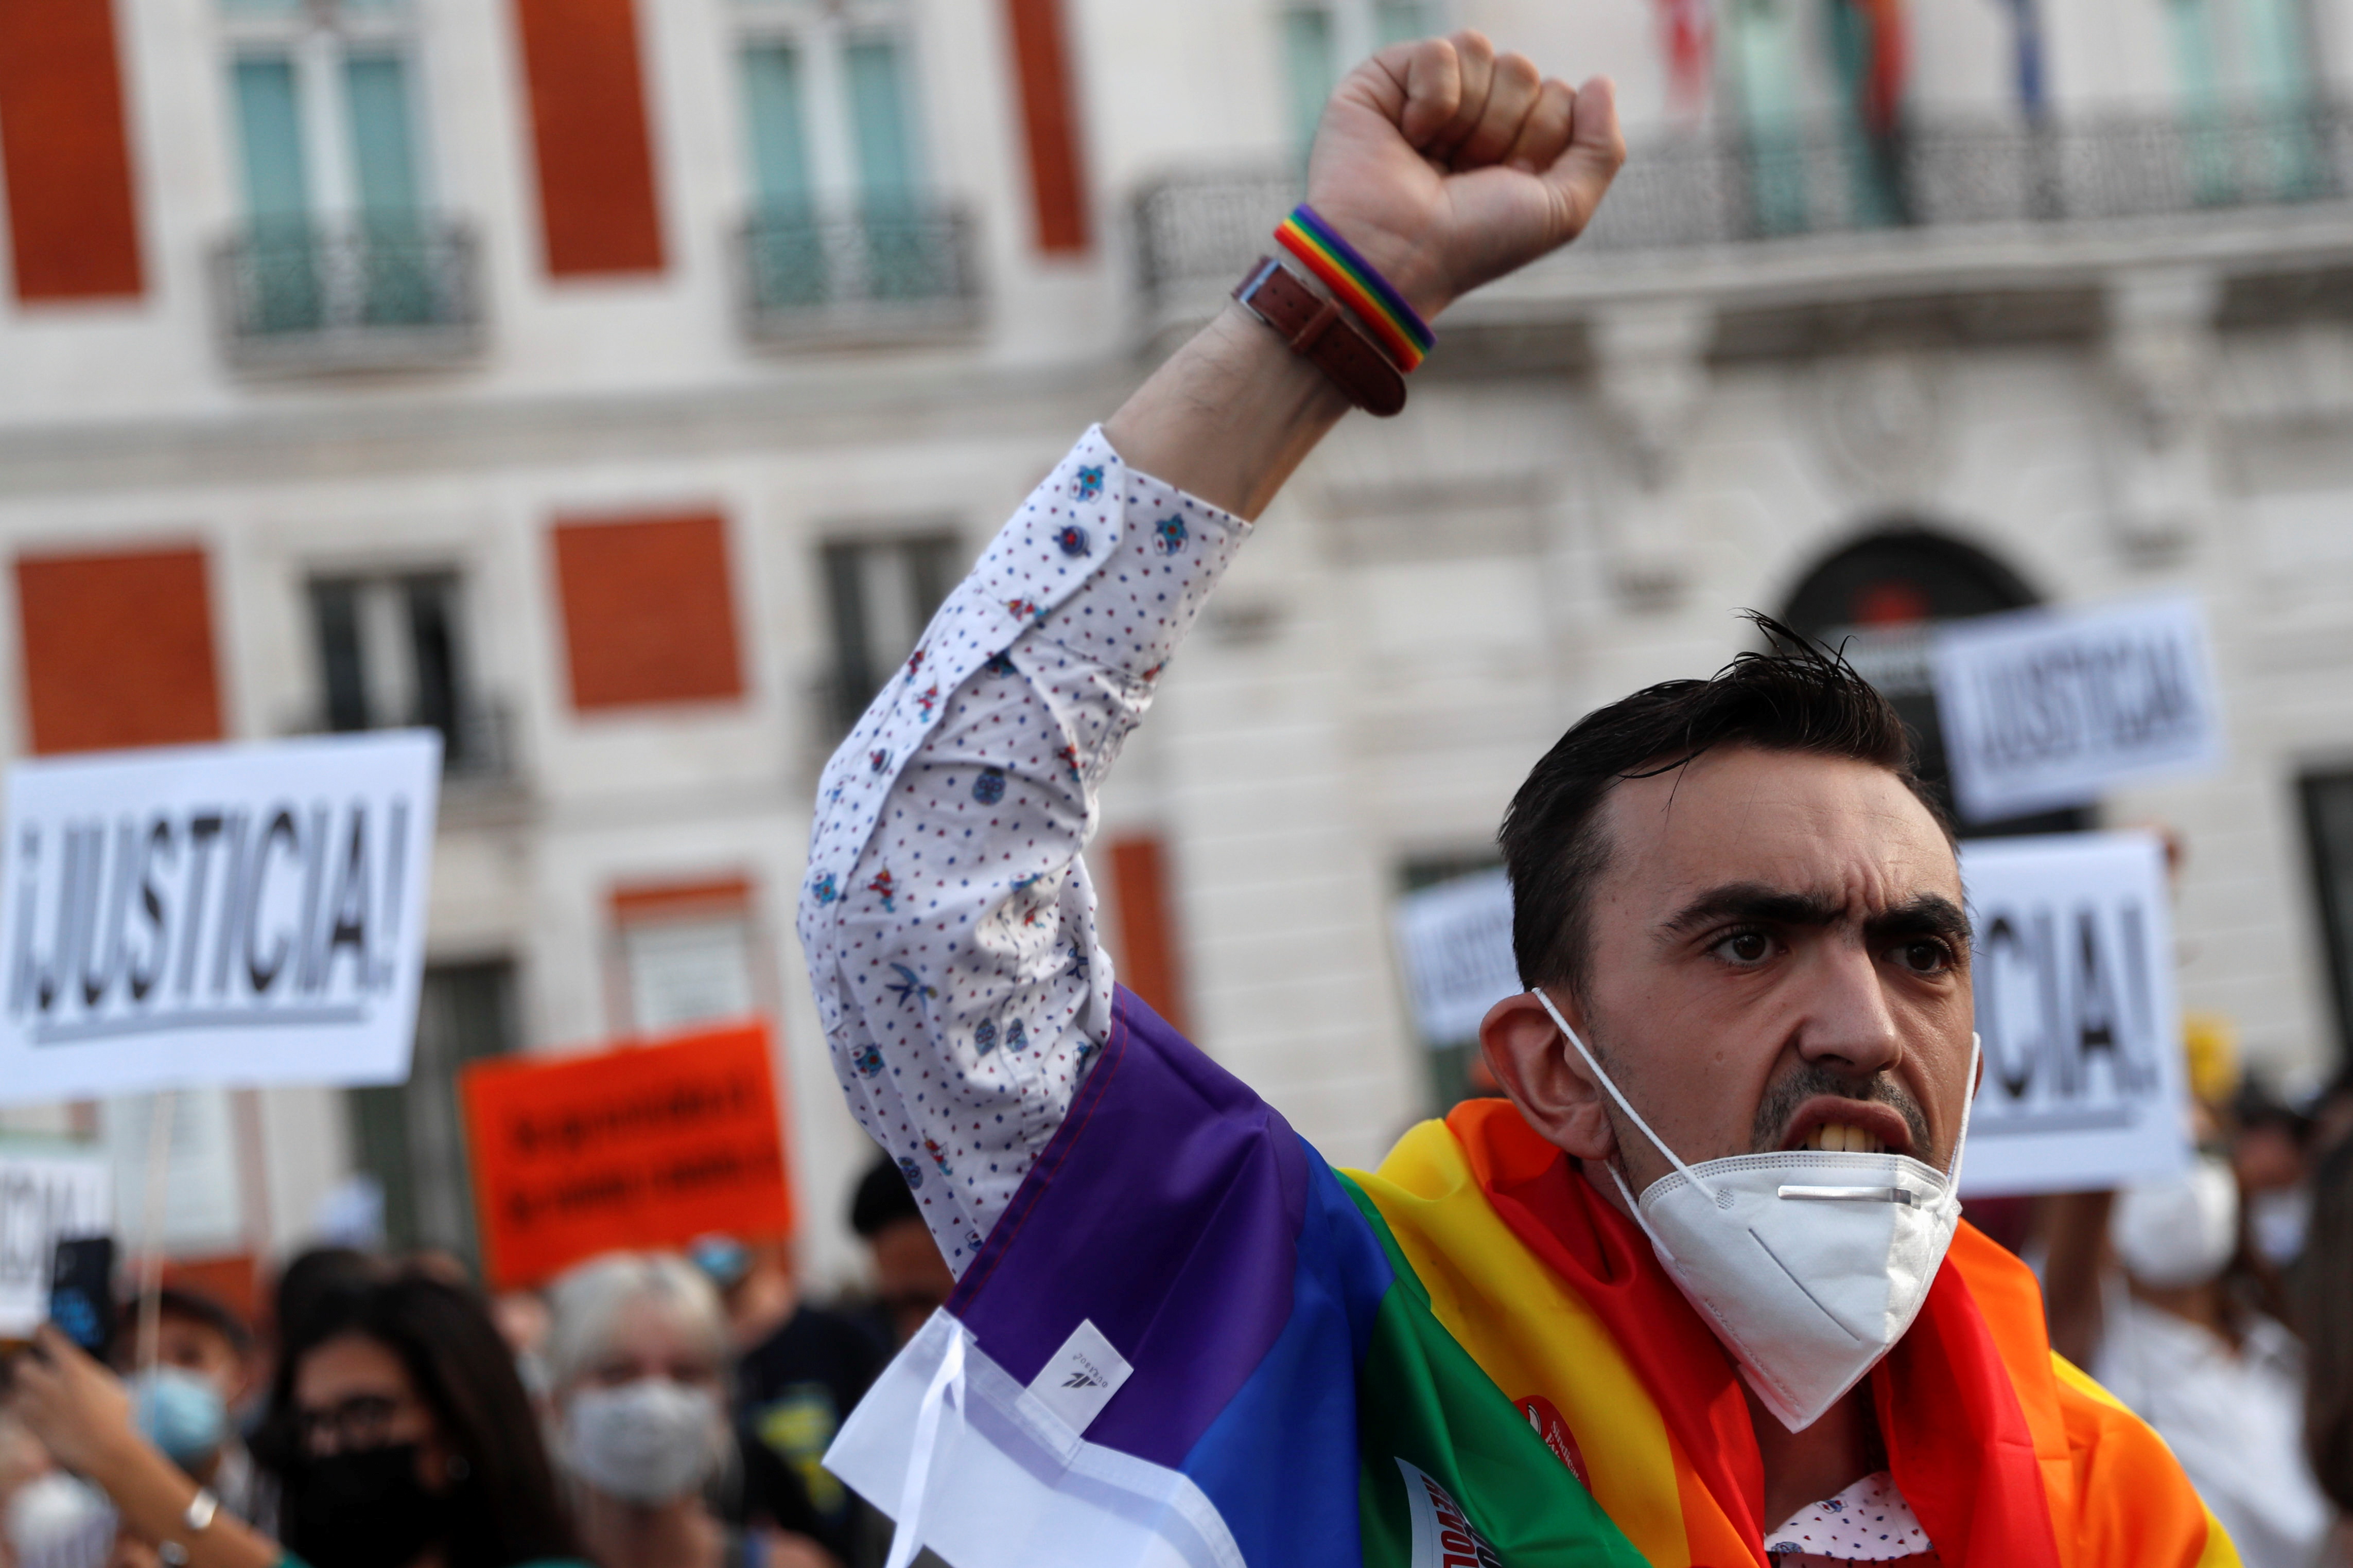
point(180, 1413)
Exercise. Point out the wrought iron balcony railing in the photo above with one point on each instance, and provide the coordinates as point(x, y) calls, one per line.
point(379, 291)
point(1943, 174)
point(883, 271)
point(477, 744)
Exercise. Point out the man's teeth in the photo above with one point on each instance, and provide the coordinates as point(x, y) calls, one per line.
point(1837, 1138)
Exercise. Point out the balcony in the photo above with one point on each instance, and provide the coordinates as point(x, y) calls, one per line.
point(1951, 202)
point(376, 294)
point(892, 274)
point(478, 746)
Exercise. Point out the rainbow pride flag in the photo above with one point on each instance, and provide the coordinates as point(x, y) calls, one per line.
point(1191, 1342)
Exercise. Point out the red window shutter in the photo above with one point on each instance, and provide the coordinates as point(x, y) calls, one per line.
point(648, 611)
point(1057, 182)
point(73, 222)
point(597, 209)
point(1148, 961)
point(718, 898)
point(118, 650)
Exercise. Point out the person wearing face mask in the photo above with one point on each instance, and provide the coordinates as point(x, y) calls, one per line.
point(637, 1351)
point(418, 1448)
point(2221, 1381)
point(186, 1403)
point(1697, 1292)
point(48, 1518)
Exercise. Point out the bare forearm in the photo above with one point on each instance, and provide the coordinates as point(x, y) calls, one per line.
point(1230, 416)
point(152, 1494)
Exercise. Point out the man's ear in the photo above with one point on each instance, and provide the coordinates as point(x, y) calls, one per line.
point(1545, 1077)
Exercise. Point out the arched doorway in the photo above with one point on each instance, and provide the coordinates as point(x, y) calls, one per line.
point(1879, 597)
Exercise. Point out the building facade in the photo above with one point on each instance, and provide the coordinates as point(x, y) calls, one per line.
point(615, 387)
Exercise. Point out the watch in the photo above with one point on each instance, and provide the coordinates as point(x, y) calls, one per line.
point(1320, 331)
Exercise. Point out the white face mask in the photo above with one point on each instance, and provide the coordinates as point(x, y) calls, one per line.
point(2181, 1230)
point(57, 1522)
point(2276, 1221)
point(645, 1442)
point(1809, 1265)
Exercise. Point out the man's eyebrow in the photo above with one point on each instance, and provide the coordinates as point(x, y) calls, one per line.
point(1923, 914)
point(1759, 901)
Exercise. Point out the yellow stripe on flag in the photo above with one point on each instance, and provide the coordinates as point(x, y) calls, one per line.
point(1530, 1333)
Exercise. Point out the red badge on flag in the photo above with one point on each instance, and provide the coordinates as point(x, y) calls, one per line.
point(1543, 1416)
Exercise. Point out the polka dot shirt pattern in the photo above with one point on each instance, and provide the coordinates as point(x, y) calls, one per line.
point(1868, 1522)
point(947, 919)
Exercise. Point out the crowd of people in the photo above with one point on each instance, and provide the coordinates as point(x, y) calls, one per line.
point(672, 1410)
point(643, 1410)
point(2218, 1304)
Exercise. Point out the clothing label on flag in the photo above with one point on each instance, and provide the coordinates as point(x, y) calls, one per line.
point(1079, 1380)
point(1442, 1536)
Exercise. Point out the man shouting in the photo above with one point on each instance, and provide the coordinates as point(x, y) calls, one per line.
point(1697, 1293)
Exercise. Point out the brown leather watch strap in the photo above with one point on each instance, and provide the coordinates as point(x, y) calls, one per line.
point(1319, 332)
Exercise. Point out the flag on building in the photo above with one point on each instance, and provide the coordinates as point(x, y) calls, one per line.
point(1688, 30)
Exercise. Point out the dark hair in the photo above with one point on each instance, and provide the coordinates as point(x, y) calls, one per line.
point(884, 1198)
point(2324, 1301)
point(466, 1375)
point(314, 1275)
point(1796, 697)
point(179, 1301)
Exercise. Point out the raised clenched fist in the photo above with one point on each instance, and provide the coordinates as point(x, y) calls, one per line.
point(1449, 166)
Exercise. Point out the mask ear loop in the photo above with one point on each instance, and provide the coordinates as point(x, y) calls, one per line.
point(1693, 1177)
point(1961, 1143)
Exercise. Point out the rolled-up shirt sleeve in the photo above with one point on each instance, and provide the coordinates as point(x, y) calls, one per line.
point(947, 919)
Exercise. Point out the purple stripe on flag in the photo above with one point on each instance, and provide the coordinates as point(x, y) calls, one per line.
point(1167, 1211)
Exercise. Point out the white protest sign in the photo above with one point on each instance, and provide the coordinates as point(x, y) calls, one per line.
point(216, 915)
point(43, 1199)
point(2042, 708)
point(1456, 941)
point(2084, 1083)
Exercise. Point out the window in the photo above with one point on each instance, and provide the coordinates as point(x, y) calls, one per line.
point(686, 953)
point(409, 1139)
point(1321, 42)
point(391, 654)
point(882, 594)
point(1764, 61)
point(335, 230)
point(2244, 68)
point(2328, 831)
point(841, 213)
point(205, 1201)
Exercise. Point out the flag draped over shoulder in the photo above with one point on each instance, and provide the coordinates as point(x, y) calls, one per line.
point(1191, 1342)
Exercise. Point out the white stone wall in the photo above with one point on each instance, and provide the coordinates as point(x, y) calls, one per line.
point(1420, 616)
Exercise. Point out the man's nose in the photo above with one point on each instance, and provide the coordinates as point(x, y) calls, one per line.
point(1847, 1022)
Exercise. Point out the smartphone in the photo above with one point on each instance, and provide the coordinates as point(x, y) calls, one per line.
point(81, 1292)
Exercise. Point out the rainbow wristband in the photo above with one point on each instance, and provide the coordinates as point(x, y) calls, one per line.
point(1354, 280)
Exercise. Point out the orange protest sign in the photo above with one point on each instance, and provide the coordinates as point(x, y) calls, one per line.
point(643, 1146)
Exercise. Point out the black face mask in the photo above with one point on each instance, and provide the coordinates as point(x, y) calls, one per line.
point(366, 1509)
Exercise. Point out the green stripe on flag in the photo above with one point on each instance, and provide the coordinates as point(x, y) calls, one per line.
point(1422, 1399)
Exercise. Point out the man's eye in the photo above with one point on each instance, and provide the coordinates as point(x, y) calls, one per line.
point(1926, 956)
point(1746, 947)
